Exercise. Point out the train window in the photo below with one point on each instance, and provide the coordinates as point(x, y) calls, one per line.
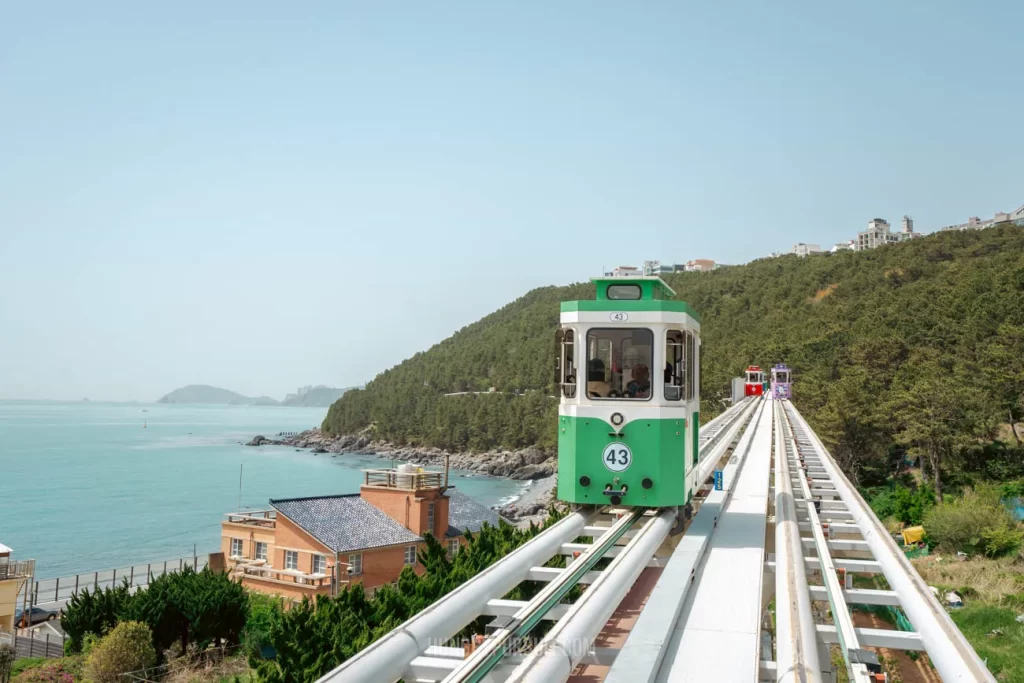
point(675, 365)
point(623, 292)
point(619, 363)
point(691, 367)
point(565, 362)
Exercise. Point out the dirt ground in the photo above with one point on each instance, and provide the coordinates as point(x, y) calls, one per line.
point(899, 662)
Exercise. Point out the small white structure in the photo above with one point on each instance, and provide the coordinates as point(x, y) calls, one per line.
point(803, 249)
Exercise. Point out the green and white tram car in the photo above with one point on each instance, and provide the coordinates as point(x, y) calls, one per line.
point(629, 402)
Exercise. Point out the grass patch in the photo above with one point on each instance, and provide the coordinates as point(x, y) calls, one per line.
point(1003, 654)
point(26, 663)
point(996, 581)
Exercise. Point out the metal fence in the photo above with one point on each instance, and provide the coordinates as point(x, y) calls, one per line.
point(47, 591)
point(33, 644)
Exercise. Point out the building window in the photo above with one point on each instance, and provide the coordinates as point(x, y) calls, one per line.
point(453, 546)
point(565, 362)
point(236, 547)
point(430, 517)
point(355, 564)
point(619, 363)
point(261, 551)
point(410, 555)
point(319, 564)
point(291, 559)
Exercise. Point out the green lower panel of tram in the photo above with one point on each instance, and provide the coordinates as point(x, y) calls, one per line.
point(647, 457)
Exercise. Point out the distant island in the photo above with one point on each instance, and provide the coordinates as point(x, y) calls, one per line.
point(310, 397)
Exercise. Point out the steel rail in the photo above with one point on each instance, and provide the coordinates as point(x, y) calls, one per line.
point(796, 642)
point(570, 640)
point(849, 642)
point(948, 649)
point(495, 648)
point(389, 657)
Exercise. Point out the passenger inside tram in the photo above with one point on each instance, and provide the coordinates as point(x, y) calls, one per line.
point(618, 363)
point(597, 387)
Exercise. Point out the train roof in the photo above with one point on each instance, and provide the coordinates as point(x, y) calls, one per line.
point(640, 293)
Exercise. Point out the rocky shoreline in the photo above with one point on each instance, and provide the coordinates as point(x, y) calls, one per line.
point(528, 464)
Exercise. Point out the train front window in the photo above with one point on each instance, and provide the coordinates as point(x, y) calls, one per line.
point(623, 292)
point(619, 363)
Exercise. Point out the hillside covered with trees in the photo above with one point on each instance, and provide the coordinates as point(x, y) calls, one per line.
point(910, 350)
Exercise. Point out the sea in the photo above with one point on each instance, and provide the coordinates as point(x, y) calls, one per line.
point(89, 486)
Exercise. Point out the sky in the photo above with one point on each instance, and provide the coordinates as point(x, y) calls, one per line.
point(263, 195)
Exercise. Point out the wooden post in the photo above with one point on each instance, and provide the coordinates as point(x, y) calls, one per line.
point(113, 580)
point(95, 582)
point(131, 576)
point(76, 584)
point(56, 590)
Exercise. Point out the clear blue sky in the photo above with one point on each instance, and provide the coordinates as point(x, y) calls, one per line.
point(259, 195)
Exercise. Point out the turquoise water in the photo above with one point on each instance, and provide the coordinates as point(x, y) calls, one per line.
point(88, 486)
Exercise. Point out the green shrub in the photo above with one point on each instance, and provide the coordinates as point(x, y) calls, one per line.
point(999, 541)
point(906, 505)
point(975, 522)
point(264, 617)
point(93, 612)
point(128, 647)
point(7, 656)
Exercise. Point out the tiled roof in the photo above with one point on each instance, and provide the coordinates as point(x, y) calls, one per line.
point(465, 513)
point(345, 523)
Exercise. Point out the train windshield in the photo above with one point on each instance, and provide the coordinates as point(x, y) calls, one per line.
point(782, 377)
point(619, 363)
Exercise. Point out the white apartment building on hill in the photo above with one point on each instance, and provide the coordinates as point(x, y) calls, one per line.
point(879, 232)
point(802, 249)
point(975, 223)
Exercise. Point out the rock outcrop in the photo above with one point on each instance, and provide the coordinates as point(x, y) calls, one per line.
point(525, 464)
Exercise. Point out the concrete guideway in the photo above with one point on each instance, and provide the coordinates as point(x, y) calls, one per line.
point(702, 618)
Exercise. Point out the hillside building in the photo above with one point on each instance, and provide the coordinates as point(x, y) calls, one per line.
point(310, 546)
point(975, 223)
point(13, 575)
point(802, 249)
point(879, 233)
point(700, 265)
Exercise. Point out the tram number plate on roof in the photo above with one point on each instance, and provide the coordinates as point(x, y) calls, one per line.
point(617, 457)
point(618, 317)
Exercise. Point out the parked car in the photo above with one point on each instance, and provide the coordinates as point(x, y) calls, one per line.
point(37, 615)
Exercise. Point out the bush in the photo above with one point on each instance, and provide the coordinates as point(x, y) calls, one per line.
point(92, 612)
point(976, 522)
point(908, 506)
point(7, 657)
point(1001, 540)
point(128, 647)
point(264, 617)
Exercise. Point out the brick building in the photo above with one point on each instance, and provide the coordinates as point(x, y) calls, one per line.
point(308, 546)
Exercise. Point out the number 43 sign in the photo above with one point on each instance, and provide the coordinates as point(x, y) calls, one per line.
point(617, 457)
